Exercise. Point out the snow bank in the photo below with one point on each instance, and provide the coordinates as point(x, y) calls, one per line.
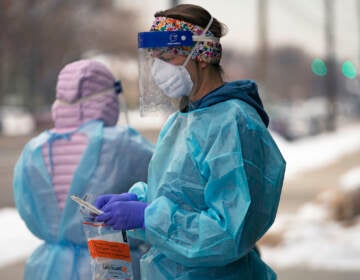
point(318, 151)
point(16, 242)
point(311, 237)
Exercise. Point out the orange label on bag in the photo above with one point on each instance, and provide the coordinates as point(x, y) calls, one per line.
point(110, 250)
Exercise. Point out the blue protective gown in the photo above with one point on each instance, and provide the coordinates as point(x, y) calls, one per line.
point(114, 159)
point(214, 186)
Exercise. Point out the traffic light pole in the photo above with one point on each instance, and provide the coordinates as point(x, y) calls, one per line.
point(174, 3)
point(358, 21)
point(330, 78)
point(262, 57)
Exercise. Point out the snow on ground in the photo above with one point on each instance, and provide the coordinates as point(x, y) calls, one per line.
point(314, 152)
point(351, 180)
point(310, 238)
point(16, 242)
point(150, 121)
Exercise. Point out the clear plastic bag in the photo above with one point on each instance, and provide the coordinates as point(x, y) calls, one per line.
point(109, 250)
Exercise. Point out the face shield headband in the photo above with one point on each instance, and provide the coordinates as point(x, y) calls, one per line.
point(117, 88)
point(207, 48)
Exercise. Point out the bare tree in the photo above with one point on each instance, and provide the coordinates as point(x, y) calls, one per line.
point(39, 37)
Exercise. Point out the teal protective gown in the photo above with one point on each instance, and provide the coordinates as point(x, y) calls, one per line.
point(114, 159)
point(213, 190)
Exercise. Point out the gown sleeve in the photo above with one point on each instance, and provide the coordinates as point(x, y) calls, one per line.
point(140, 189)
point(23, 197)
point(140, 151)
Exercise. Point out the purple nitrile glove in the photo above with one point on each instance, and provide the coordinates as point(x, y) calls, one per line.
point(123, 215)
point(102, 200)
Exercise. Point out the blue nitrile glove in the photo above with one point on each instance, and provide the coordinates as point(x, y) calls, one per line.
point(107, 198)
point(123, 215)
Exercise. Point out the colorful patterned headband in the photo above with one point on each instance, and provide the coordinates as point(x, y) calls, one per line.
point(209, 51)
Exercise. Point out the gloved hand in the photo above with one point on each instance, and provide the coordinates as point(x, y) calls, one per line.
point(123, 215)
point(107, 198)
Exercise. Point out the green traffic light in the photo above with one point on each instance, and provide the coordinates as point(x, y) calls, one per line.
point(349, 70)
point(318, 67)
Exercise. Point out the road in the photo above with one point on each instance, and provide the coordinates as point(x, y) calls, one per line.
point(296, 192)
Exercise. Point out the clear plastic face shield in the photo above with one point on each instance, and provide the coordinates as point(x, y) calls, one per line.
point(159, 82)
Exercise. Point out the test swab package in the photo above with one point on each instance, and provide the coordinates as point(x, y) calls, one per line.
point(109, 249)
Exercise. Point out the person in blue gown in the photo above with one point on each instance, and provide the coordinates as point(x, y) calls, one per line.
point(108, 159)
point(216, 175)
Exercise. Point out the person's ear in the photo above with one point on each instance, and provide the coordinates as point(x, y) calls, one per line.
point(203, 65)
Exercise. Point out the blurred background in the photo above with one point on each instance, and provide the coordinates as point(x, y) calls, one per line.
point(305, 57)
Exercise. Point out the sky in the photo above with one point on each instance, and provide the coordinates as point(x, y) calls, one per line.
point(305, 231)
point(295, 22)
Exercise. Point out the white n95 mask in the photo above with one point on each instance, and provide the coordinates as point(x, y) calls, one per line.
point(173, 80)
